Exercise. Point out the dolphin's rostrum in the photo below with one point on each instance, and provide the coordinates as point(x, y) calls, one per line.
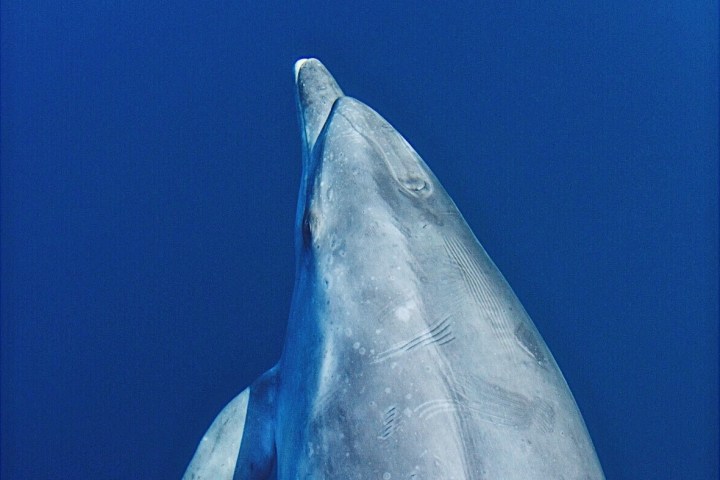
point(407, 354)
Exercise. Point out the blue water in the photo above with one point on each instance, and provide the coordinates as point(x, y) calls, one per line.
point(150, 164)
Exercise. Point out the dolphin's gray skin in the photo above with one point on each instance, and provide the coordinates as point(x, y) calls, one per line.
point(407, 355)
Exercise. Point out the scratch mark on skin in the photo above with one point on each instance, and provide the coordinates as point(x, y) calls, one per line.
point(495, 405)
point(482, 292)
point(440, 333)
point(390, 423)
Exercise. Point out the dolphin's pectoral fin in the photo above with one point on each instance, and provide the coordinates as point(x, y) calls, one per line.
point(240, 443)
point(217, 454)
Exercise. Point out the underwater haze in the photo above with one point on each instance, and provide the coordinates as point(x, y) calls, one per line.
point(150, 163)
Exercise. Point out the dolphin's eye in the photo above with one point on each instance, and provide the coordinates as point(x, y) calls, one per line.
point(306, 228)
point(414, 183)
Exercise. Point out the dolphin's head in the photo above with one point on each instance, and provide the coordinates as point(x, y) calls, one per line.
point(365, 193)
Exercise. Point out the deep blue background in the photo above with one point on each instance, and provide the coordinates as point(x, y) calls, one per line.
point(150, 164)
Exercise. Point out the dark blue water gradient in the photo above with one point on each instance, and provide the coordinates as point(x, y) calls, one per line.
point(150, 164)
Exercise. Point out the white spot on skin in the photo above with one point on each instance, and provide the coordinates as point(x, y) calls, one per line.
point(386, 476)
point(356, 345)
point(404, 312)
point(387, 390)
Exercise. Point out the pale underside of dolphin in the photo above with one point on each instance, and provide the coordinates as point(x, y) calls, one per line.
point(407, 356)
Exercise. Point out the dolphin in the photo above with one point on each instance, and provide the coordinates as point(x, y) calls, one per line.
point(407, 355)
